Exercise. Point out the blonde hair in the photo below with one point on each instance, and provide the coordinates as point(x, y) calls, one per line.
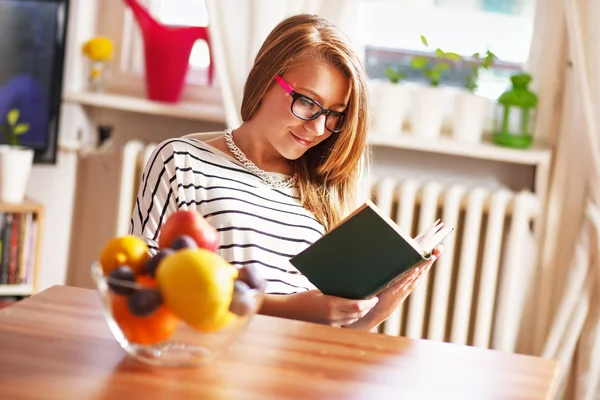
point(327, 174)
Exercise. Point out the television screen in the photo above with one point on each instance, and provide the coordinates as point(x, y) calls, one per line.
point(32, 39)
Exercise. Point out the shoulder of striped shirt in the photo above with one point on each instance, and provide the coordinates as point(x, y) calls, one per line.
point(176, 144)
point(197, 148)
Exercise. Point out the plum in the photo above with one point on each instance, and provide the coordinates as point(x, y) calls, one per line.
point(183, 242)
point(122, 273)
point(144, 302)
point(252, 277)
point(242, 302)
point(153, 262)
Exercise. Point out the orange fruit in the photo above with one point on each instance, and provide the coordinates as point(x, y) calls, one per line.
point(151, 329)
point(197, 285)
point(125, 250)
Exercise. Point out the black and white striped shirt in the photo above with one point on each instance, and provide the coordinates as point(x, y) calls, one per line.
point(257, 224)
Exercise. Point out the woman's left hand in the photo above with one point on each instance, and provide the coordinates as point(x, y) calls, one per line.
point(393, 296)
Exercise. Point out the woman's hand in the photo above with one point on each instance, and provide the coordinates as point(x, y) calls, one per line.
point(393, 296)
point(314, 306)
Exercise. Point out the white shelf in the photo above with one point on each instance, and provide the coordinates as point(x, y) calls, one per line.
point(16, 290)
point(215, 113)
point(484, 151)
point(184, 110)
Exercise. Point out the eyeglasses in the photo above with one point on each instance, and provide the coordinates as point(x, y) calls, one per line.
point(308, 109)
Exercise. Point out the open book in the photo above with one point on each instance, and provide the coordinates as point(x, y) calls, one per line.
point(365, 253)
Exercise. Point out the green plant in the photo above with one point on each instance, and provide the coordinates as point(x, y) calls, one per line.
point(434, 70)
point(12, 129)
point(394, 74)
point(478, 63)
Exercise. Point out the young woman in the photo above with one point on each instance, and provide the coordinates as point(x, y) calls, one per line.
point(287, 175)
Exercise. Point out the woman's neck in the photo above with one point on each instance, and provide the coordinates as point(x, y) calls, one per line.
point(257, 149)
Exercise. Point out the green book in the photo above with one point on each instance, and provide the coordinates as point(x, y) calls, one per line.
point(365, 253)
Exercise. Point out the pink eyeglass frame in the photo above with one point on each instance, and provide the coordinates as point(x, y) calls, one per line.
point(295, 95)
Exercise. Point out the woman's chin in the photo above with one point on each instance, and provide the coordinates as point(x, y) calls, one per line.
point(293, 155)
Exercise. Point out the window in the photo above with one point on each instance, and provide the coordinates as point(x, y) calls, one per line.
point(186, 13)
point(391, 30)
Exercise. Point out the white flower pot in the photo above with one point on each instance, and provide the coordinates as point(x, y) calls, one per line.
point(389, 104)
point(15, 167)
point(428, 107)
point(470, 112)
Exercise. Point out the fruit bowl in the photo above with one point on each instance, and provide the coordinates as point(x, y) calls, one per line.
point(149, 331)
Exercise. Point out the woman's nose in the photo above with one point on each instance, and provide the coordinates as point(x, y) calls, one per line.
point(317, 125)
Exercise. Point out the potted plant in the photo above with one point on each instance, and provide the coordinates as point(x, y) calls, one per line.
point(389, 102)
point(15, 160)
point(428, 102)
point(470, 109)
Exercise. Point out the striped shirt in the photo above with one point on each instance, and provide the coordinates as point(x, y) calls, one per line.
point(256, 223)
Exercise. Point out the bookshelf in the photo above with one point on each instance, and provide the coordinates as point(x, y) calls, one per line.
point(23, 261)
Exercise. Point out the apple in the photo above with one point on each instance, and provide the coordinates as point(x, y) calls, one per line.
point(192, 224)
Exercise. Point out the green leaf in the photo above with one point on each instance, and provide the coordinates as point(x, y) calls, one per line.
point(442, 66)
point(419, 62)
point(394, 74)
point(440, 53)
point(13, 117)
point(435, 77)
point(424, 41)
point(21, 129)
point(475, 56)
point(453, 56)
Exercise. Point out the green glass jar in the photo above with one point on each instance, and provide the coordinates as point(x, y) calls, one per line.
point(515, 114)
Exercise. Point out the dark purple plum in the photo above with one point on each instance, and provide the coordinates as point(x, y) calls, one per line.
point(240, 287)
point(183, 242)
point(242, 302)
point(252, 277)
point(144, 302)
point(122, 273)
point(154, 261)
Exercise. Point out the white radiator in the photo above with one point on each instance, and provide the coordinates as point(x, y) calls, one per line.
point(134, 156)
point(478, 291)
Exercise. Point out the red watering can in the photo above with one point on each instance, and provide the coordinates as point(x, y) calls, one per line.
point(167, 52)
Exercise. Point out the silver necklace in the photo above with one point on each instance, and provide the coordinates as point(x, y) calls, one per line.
point(241, 157)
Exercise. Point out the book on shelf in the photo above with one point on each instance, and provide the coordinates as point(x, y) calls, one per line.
point(365, 253)
point(18, 235)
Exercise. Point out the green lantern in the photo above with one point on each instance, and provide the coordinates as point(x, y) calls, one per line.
point(515, 114)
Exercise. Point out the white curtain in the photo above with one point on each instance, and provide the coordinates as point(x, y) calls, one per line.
point(569, 318)
point(238, 28)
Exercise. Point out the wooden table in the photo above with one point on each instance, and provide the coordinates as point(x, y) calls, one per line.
point(57, 345)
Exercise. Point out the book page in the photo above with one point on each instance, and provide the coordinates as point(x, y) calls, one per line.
point(433, 236)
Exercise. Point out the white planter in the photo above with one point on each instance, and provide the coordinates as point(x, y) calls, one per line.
point(470, 112)
point(428, 107)
point(389, 104)
point(15, 167)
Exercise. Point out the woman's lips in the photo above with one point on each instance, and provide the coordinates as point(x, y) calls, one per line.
point(303, 142)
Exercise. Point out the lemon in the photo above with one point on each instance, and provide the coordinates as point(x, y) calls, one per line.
point(197, 286)
point(124, 250)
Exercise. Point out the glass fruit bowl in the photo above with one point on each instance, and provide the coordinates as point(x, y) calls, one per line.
point(138, 315)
